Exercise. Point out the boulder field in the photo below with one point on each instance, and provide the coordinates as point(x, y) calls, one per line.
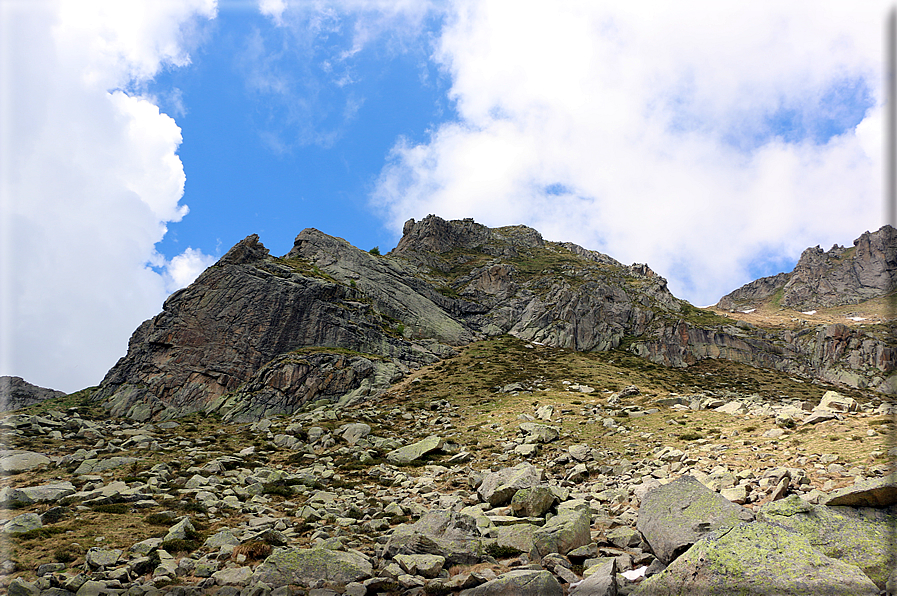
point(334, 501)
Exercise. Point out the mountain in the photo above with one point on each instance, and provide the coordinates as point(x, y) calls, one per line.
point(16, 393)
point(257, 335)
point(824, 279)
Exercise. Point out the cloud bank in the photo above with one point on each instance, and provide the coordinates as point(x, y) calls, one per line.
point(712, 140)
point(90, 178)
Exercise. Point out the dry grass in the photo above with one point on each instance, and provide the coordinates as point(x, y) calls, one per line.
point(876, 312)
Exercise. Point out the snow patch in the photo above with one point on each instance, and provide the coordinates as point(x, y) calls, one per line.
point(635, 573)
point(808, 312)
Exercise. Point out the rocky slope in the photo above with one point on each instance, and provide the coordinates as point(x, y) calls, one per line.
point(823, 279)
point(567, 479)
point(17, 393)
point(257, 335)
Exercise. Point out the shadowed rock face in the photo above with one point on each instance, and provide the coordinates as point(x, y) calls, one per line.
point(256, 335)
point(823, 279)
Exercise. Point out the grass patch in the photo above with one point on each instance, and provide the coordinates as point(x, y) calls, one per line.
point(113, 508)
point(502, 551)
point(254, 550)
point(38, 534)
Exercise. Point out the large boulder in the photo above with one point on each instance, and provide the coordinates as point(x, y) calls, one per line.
point(22, 524)
point(674, 516)
point(567, 530)
point(877, 492)
point(760, 559)
point(305, 566)
point(601, 582)
point(857, 536)
point(523, 582)
point(498, 488)
point(441, 532)
point(415, 451)
point(15, 461)
point(533, 502)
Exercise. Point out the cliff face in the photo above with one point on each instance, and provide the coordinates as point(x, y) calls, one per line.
point(833, 278)
point(257, 335)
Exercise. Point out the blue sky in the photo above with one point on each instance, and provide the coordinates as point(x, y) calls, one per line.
point(141, 140)
point(274, 163)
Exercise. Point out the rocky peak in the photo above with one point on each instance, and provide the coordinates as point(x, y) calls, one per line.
point(841, 275)
point(434, 236)
point(245, 251)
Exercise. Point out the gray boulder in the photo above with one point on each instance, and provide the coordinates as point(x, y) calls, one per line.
point(533, 502)
point(307, 565)
point(539, 433)
point(356, 431)
point(877, 492)
point(180, 531)
point(441, 532)
point(23, 523)
point(602, 582)
point(98, 558)
point(424, 565)
point(567, 530)
point(498, 488)
point(676, 515)
point(523, 582)
point(415, 451)
point(856, 536)
point(15, 461)
point(760, 559)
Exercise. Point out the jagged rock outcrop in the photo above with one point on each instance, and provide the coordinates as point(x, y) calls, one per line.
point(237, 318)
point(257, 335)
point(16, 393)
point(828, 278)
point(237, 340)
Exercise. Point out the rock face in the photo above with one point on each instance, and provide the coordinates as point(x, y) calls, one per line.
point(16, 393)
point(257, 335)
point(829, 278)
point(278, 330)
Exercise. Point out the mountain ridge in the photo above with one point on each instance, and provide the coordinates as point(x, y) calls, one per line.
point(257, 335)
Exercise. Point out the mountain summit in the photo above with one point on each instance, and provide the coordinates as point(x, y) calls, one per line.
point(257, 335)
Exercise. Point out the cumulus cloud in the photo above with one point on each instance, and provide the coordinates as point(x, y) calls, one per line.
point(90, 178)
point(710, 140)
point(186, 267)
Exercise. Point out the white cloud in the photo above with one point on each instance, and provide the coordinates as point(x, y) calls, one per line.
point(659, 130)
point(90, 178)
point(186, 267)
